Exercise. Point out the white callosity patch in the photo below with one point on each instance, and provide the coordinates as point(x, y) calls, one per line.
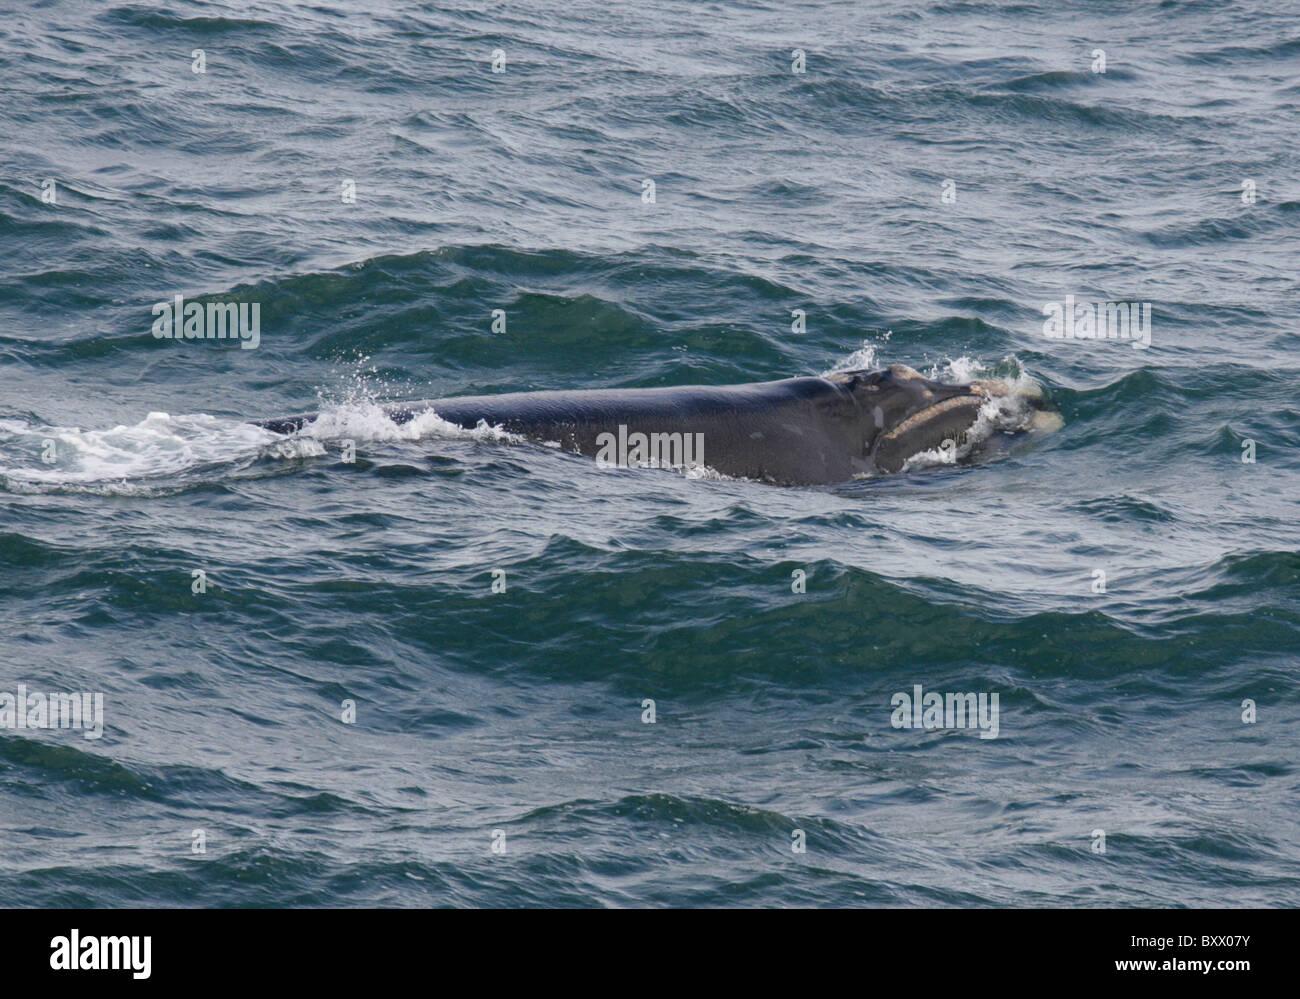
point(990, 420)
point(1009, 409)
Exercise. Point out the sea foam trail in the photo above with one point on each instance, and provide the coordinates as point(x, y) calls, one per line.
point(160, 449)
point(36, 457)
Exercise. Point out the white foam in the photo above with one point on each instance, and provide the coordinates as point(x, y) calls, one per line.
point(862, 359)
point(132, 459)
point(961, 369)
point(160, 445)
point(367, 421)
point(708, 474)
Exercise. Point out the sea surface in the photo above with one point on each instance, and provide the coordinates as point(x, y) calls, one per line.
point(457, 671)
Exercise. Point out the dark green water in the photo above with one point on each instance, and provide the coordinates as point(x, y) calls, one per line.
point(521, 712)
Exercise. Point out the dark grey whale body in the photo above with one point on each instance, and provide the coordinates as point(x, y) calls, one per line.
point(798, 431)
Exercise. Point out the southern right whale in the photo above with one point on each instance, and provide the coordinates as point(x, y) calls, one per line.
point(797, 431)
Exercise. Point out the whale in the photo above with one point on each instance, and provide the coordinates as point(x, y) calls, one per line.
point(795, 431)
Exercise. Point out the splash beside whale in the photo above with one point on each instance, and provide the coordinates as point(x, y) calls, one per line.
point(797, 431)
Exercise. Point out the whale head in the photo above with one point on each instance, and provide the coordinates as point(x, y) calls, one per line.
point(906, 413)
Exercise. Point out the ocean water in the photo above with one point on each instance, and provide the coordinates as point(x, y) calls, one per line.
point(940, 171)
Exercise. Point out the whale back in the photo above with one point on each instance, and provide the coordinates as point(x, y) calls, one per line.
point(798, 430)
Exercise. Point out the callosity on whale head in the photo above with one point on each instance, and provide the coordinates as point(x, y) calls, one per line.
point(911, 414)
